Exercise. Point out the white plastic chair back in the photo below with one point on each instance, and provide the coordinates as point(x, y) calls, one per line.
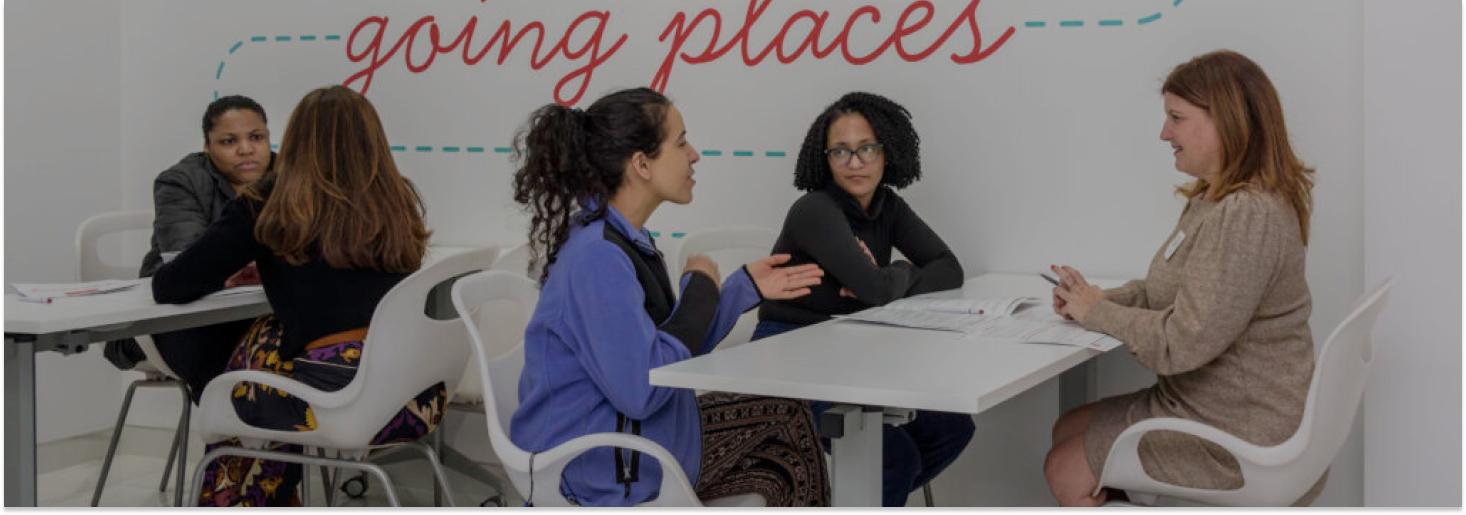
point(501, 322)
point(88, 243)
point(405, 353)
point(501, 396)
point(730, 248)
point(1277, 475)
point(91, 267)
point(517, 260)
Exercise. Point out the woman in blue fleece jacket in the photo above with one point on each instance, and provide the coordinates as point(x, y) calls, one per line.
point(607, 316)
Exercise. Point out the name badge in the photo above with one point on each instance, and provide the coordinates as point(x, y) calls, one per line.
point(1175, 244)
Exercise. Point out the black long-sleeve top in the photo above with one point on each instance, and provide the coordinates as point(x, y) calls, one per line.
point(822, 227)
point(311, 300)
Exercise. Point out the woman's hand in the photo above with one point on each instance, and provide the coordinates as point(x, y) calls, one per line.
point(247, 276)
point(1074, 296)
point(703, 264)
point(777, 282)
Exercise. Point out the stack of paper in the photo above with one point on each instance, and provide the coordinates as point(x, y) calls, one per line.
point(994, 307)
point(45, 292)
point(915, 319)
point(1001, 319)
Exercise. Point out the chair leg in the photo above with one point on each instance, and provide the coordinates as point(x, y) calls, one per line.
point(454, 460)
point(305, 481)
point(172, 452)
point(185, 419)
point(437, 450)
point(926, 491)
point(328, 483)
point(303, 460)
point(440, 477)
point(112, 446)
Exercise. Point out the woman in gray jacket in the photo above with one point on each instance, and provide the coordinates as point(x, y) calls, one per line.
point(187, 197)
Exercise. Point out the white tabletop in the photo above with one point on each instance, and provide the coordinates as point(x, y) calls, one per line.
point(857, 363)
point(109, 309)
point(121, 308)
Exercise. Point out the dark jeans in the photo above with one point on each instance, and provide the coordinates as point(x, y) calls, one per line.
point(912, 454)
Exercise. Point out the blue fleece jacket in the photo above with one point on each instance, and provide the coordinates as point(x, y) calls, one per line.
point(588, 351)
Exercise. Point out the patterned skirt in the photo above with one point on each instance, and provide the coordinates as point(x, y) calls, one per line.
point(761, 445)
point(328, 364)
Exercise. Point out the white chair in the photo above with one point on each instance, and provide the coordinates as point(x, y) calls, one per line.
point(487, 290)
point(1280, 474)
point(730, 248)
point(156, 373)
point(506, 322)
point(405, 353)
point(517, 260)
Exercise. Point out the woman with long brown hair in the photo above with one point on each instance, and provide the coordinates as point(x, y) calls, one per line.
point(332, 229)
point(1222, 315)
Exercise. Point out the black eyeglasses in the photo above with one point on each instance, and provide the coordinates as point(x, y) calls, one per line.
point(867, 153)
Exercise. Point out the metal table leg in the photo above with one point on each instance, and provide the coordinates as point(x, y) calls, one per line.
point(20, 417)
point(856, 453)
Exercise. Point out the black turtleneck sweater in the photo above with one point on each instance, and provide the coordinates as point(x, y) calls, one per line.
point(822, 227)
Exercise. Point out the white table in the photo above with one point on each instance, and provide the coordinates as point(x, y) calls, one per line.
point(880, 371)
point(69, 326)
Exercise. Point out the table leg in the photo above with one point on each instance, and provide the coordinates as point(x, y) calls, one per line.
point(20, 427)
point(857, 456)
point(1078, 385)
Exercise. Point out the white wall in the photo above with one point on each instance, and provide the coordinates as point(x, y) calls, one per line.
point(63, 76)
point(1412, 176)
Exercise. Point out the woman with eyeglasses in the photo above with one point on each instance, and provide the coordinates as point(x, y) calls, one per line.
point(857, 151)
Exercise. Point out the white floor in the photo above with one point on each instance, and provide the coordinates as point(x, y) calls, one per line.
point(69, 470)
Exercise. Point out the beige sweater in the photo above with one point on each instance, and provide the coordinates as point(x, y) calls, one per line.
point(1222, 318)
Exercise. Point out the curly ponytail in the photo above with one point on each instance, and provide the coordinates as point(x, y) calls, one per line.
point(571, 160)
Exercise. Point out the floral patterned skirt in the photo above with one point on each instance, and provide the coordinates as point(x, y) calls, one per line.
point(327, 364)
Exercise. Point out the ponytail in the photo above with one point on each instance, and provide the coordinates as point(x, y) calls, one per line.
point(571, 161)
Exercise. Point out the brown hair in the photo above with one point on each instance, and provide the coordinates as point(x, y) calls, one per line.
point(337, 192)
point(1249, 119)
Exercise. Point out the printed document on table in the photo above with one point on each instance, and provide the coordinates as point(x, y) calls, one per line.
point(916, 319)
point(996, 306)
point(67, 290)
point(237, 290)
point(1030, 330)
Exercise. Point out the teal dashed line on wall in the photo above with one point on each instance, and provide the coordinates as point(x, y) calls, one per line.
point(1107, 22)
point(219, 73)
point(675, 235)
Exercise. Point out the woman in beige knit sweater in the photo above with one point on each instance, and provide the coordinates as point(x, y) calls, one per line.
point(1222, 315)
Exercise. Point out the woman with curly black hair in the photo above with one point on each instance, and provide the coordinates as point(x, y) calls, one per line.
point(857, 151)
point(606, 317)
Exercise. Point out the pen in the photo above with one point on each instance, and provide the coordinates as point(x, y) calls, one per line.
point(36, 300)
point(1049, 278)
